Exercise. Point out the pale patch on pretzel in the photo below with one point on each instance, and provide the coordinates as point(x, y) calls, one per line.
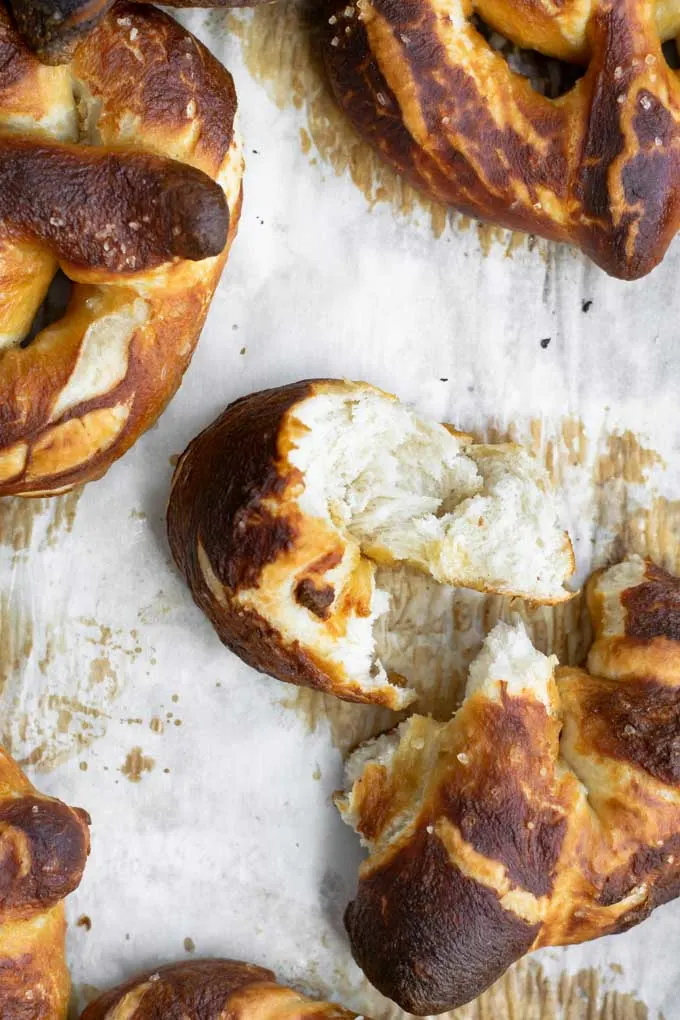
point(596, 167)
point(123, 169)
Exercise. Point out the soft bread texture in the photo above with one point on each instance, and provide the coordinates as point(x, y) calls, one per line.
point(596, 167)
point(53, 28)
point(282, 508)
point(122, 168)
point(209, 990)
point(43, 849)
point(545, 812)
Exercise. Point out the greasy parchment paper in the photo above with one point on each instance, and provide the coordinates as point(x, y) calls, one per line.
point(209, 785)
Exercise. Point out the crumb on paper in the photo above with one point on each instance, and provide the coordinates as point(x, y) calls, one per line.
point(545, 342)
point(84, 922)
point(189, 945)
point(173, 458)
point(83, 766)
point(157, 725)
point(316, 774)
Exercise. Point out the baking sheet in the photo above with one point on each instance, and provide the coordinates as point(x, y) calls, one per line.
point(209, 786)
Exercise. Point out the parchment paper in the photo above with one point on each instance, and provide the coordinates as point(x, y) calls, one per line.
point(209, 785)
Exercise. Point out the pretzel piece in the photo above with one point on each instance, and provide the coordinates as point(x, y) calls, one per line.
point(140, 216)
point(43, 849)
point(596, 167)
point(209, 990)
point(545, 813)
point(53, 28)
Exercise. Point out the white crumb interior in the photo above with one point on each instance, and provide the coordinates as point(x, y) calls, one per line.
point(409, 492)
point(611, 584)
point(508, 657)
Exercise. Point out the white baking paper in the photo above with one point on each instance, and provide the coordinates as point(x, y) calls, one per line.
point(209, 785)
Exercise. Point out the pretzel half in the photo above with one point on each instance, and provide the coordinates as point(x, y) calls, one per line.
point(545, 812)
point(596, 167)
point(43, 849)
point(209, 990)
point(53, 28)
point(122, 168)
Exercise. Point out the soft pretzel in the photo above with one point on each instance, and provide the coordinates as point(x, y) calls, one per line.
point(546, 812)
point(53, 28)
point(143, 236)
point(281, 509)
point(595, 167)
point(209, 990)
point(43, 850)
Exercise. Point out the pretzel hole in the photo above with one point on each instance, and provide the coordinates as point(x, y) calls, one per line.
point(670, 52)
point(53, 307)
point(548, 76)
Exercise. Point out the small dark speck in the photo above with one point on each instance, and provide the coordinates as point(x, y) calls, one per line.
point(545, 341)
point(586, 306)
point(471, 389)
point(127, 936)
point(235, 326)
point(189, 945)
point(166, 771)
point(243, 350)
point(444, 379)
point(255, 151)
point(84, 922)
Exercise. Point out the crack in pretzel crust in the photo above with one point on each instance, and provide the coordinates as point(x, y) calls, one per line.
point(53, 28)
point(122, 168)
point(43, 849)
point(209, 990)
point(534, 817)
point(597, 168)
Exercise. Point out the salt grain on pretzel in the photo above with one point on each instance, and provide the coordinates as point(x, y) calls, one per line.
point(122, 168)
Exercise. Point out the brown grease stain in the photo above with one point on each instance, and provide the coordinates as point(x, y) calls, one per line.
point(281, 52)
point(136, 764)
point(18, 517)
point(627, 460)
point(525, 992)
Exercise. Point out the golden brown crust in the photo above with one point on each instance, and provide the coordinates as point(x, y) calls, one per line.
point(53, 28)
point(516, 826)
point(43, 849)
point(208, 990)
point(596, 168)
point(82, 392)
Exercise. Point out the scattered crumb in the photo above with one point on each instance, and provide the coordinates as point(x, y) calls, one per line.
point(178, 722)
point(156, 725)
point(166, 771)
point(444, 379)
point(84, 922)
point(173, 459)
point(137, 515)
point(545, 342)
point(316, 774)
point(83, 766)
point(586, 306)
point(616, 967)
point(175, 698)
point(189, 945)
point(243, 350)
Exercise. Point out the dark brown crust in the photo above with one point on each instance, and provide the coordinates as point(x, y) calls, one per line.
point(639, 724)
point(166, 80)
point(119, 211)
point(489, 804)
point(53, 28)
point(659, 868)
point(317, 600)
point(43, 849)
point(427, 936)
point(581, 143)
point(196, 988)
point(652, 609)
point(219, 487)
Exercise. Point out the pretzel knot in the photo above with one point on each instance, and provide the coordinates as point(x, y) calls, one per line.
point(596, 167)
point(90, 183)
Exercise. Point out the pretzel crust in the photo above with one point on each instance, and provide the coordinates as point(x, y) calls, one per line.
point(85, 389)
point(43, 850)
point(597, 168)
point(209, 990)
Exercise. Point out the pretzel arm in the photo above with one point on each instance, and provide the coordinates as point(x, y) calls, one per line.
point(115, 210)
